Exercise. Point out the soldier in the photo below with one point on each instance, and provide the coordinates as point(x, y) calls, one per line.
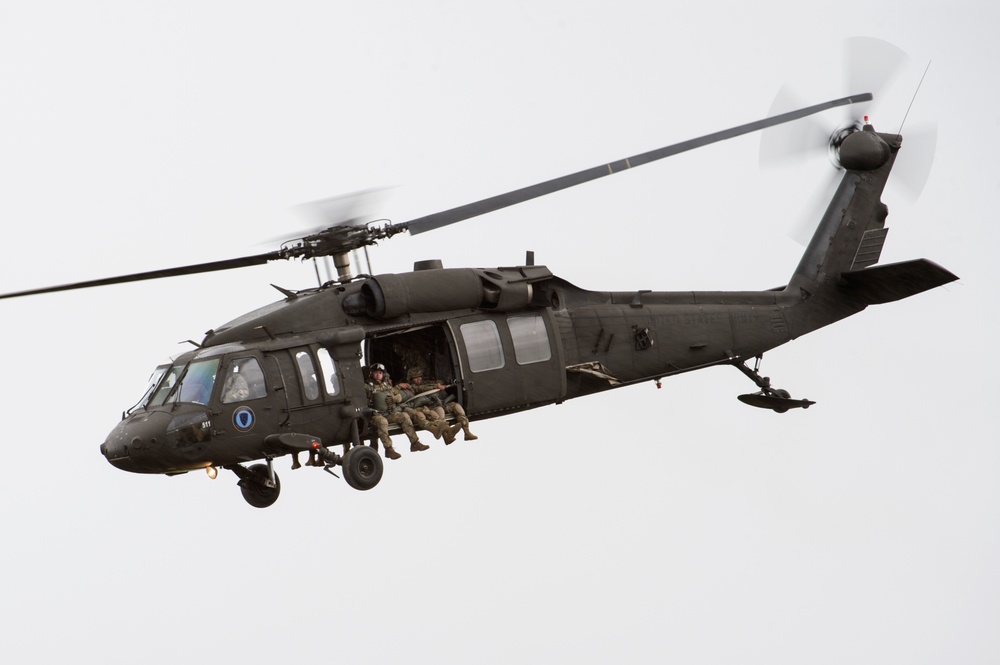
point(415, 375)
point(383, 397)
point(424, 416)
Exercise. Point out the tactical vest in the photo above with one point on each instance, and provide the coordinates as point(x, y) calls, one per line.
point(379, 402)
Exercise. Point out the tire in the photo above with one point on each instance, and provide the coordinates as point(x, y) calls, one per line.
point(362, 467)
point(784, 394)
point(255, 492)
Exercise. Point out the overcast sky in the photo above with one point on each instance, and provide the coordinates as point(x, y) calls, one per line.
point(645, 525)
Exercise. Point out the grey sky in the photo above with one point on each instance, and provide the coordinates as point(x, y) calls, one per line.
point(672, 525)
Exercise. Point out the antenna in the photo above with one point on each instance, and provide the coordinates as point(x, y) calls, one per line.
point(914, 97)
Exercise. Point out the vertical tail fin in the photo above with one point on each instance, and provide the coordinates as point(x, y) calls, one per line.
point(852, 231)
point(835, 277)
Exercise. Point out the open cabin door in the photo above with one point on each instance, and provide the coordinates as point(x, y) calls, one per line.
point(428, 347)
point(509, 361)
point(495, 362)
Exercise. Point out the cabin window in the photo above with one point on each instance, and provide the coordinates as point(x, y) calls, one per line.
point(198, 380)
point(482, 343)
point(531, 339)
point(307, 370)
point(244, 381)
point(330, 379)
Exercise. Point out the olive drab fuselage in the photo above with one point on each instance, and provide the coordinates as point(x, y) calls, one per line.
point(503, 352)
point(291, 376)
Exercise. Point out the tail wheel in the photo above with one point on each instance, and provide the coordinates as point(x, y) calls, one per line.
point(254, 487)
point(784, 394)
point(362, 467)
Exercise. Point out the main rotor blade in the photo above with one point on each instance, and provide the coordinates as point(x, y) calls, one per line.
point(461, 213)
point(213, 266)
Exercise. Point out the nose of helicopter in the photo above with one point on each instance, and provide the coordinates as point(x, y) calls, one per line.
point(134, 442)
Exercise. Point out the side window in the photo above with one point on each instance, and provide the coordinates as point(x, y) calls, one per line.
point(330, 379)
point(531, 339)
point(307, 371)
point(482, 343)
point(244, 381)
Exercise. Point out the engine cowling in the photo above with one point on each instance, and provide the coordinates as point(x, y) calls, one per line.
point(442, 290)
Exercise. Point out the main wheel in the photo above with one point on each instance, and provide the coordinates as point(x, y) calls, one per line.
point(362, 467)
point(784, 394)
point(256, 493)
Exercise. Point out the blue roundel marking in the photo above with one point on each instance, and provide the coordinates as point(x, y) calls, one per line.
point(244, 419)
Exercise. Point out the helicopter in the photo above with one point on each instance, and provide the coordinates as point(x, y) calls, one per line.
point(501, 340)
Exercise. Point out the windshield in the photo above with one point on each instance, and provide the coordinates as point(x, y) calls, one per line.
point(195, 384)
point(154, 378)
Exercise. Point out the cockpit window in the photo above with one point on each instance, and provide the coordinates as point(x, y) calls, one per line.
point(197, 383)
point(166, 386)
point(244, 381)
point(154, 378)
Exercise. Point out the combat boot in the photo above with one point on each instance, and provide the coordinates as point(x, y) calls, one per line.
point(464, 422)
point(434, 427)
point(449, 433)
point(415, 445)
point(390, 453)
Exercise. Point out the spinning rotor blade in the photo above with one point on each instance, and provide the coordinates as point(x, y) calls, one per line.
point(213, 266)
point(354, 209)
point(347, 229)
point(873, 64)
point(866, 63)
point(344, 228)
point(919, 145)
point(461, 213)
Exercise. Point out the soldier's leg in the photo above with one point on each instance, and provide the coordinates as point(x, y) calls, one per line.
point(420, 421)
point(403, 420)
point(456, 410)
point(381, 425)
point(437, 424)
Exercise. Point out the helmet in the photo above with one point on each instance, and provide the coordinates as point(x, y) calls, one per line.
point(414, 372)
point(377, 367)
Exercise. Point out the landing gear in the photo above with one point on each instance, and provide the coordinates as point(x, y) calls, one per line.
point(259, 484)
point(776, 399)
point(362, 467)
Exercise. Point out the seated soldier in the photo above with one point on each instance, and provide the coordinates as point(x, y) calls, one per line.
point(421, 412)
point(382, 397)
point(419, 386)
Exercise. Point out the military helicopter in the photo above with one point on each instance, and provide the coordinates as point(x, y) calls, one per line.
point(503, 339)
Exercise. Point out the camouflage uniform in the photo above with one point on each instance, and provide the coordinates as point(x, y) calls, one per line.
point(453, 409)
point(382, 396)
point(427, 418)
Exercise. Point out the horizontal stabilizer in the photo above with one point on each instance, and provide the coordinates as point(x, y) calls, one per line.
point(895, 281)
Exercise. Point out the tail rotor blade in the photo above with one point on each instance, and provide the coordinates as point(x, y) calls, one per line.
point(913, 167)
point(872, 63)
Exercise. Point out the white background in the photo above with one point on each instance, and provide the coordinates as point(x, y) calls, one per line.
point(673, 525)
